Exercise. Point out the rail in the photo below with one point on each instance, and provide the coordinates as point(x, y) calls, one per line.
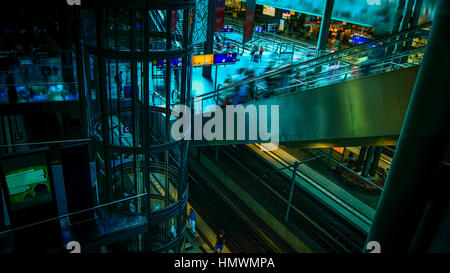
point(390, 46)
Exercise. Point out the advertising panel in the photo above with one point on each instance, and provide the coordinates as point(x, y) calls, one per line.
point(374, 13)
point(269, 11)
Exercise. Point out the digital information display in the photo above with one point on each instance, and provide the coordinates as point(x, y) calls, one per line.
point(258, 29)
point(227, 28)
point(203, 59)
point(225, 58)
point(27, 180)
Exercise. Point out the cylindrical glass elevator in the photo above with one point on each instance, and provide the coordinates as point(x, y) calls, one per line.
point(137, 66)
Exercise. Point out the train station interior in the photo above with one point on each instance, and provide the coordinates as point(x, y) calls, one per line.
point(206, 126)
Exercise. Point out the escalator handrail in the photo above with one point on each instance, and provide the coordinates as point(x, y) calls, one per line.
point(324, 58)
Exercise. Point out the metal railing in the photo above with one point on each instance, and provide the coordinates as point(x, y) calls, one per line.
point(387, 53)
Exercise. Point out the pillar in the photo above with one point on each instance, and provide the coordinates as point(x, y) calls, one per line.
point(416, 13)
point(368, 161)
point(421, 147)
point(406, 16)
point(209, 44)
point(324, 28)
point(376, 160)
point(359, 162)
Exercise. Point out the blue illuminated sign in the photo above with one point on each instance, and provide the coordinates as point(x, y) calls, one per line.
point(258, 29)
point(360, 39)
point(227, 28)
point(162, 63)
point(225, 58)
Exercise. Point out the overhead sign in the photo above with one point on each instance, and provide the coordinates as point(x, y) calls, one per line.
point(358, 39)
point(211, 59)
point(203, 59)
point(225, 58)
point(161, 64)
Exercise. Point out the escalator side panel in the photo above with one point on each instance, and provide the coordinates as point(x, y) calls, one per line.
point(365, 111)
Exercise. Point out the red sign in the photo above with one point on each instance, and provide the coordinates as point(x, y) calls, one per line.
point(249, 20)
point(220, 14)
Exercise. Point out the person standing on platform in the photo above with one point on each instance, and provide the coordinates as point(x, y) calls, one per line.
point(218, 248)
point(192, 219)
point(119, 81)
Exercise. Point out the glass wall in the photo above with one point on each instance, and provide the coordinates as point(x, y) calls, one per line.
point(137, 67)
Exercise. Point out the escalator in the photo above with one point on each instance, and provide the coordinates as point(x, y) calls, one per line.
point(354, 97)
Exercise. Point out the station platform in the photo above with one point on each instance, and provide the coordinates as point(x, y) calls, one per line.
point(335, 196)
point(204, 239)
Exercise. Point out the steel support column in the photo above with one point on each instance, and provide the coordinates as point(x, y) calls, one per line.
point(376, 160)
point(421, 146)
point(368, 161)
point(209, 44)
point(360, 161)
point(407, 15)
point(324, 28)
point(416, 13)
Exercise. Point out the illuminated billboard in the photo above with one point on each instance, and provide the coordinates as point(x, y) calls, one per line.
point(281, 26)
point(353, 11)
point(27, 181)
point(268, 10)
point(28, 187)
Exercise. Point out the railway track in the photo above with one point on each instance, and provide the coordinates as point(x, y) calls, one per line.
point(323, 225)
point(223, 211)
